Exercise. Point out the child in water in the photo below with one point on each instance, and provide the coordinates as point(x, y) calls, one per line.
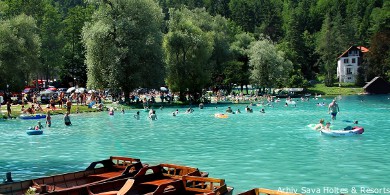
point(39, 126)
point(320, 125)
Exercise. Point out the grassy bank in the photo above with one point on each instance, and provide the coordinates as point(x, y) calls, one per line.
point(16, 110)
point(345, 89)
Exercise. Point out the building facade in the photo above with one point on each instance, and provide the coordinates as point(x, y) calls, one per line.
point(348, 64)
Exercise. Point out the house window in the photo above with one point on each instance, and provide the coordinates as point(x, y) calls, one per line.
point(349, 70)
point(353, 60)
point(353, 53)
point(345, 61)
point(349, 78)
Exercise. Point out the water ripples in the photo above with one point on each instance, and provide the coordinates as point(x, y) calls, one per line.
point(271, 150)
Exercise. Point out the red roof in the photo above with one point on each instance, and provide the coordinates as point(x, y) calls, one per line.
point(361, 48)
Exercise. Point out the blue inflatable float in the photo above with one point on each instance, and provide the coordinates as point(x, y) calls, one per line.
point(31, 131)
point(32, 116)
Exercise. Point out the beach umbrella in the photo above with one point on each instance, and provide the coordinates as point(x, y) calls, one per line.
point(163, 89)
point(46, 92)
point(70, 90)
point(80, 90)
point(52, 89)
point(91, 91)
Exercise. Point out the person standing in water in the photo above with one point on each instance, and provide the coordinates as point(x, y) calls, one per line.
point(48, 119)
point(153, 116)
point(67, 119)
point(136, 116)
point(333, 109)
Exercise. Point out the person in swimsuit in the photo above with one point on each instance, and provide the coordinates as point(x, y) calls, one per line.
point(48, 119)
point(136, 116)
point(320, 125)
point(67, 119)
point(9, 109)
point(327, 126)
point(39, 126)
point(153, 116)
point(333, 109)
point(68, 105)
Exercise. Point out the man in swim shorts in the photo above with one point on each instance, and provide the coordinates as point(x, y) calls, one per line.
point(333, 109)
point(67, 119)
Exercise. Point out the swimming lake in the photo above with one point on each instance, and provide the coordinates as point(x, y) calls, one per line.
point(276, 149)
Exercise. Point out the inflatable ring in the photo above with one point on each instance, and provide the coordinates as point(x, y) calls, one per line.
point(219, 115)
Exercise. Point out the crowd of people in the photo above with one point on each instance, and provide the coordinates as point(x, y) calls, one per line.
point(148, 99)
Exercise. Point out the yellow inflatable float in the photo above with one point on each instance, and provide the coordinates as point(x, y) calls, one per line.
point(220, 115)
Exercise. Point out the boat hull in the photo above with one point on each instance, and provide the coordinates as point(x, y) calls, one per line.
point(343, 133)
point(113, 168)
point(157, 180)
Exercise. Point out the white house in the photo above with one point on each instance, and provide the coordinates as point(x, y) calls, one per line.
point(348, 64)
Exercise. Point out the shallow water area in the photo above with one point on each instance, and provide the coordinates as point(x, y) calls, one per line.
point(276, 149)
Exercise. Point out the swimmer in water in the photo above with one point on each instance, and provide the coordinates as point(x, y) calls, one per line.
point(153, 116)
point(39, 126)
point(136, 116)
point(320, 125)
point(327, 126)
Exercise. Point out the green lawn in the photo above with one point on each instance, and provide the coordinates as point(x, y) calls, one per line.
point(345, 89)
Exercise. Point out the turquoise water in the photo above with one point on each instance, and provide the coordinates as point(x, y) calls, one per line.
point(273, 150)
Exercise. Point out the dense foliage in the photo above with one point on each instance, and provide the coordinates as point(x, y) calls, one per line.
point(189, 44)
point(123, 45)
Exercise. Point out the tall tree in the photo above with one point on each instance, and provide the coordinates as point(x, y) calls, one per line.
point(123, 45)
point(240, 48)
point(19, 51)
point(269, 67)
point(260, 17)
point(221, 7)
point(379, 55)
point(330, 45)
point(51, 41)
point(298, 39)
point(73, 50)
point(187, 49)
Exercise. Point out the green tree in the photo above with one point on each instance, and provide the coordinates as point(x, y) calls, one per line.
point(330, 44)
point(123, 45)
point(187, 49)
point(51, 41)
point(379, 55)
point(19, 51)
point(259, 17)
point(218, 7)
point(73, 50)
point(269, 67)
point(240, 48)
point(298, 41)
